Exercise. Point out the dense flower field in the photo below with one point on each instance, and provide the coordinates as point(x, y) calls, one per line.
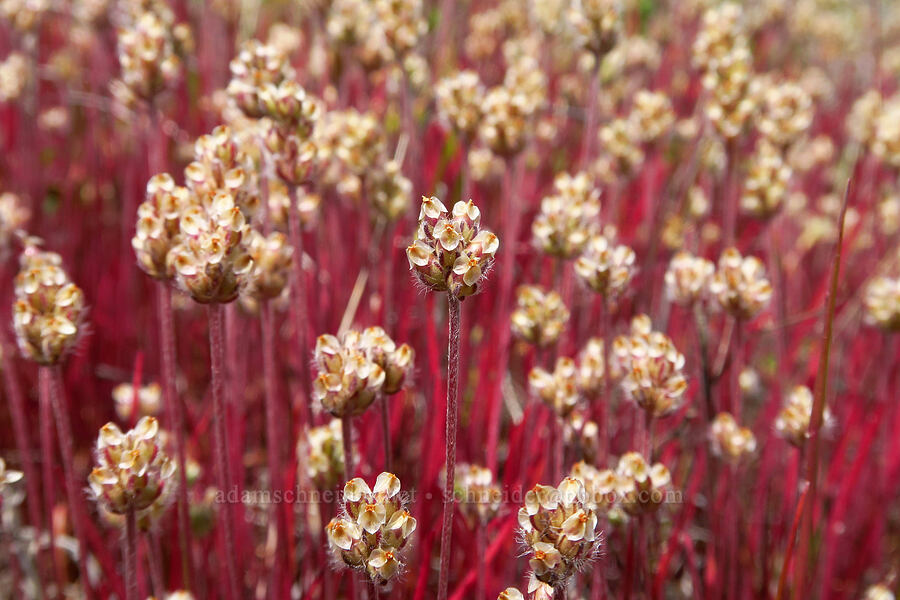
point(415, 299)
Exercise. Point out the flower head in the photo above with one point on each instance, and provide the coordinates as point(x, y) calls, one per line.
point(740, 285)
point(539, 317)
point(729, 440)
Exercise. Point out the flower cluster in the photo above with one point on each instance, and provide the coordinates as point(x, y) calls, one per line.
point(567, 218)
point(157, 230)
point(478, 495)
point(606, 267)
point(766, 185)
point(537, 589)
point(641, 487)
point(653, 114)
point(148, 399)
point(459, 99)
point(389, 191)
point(687, 278)
point(559, 530)
point(886, 143)
point(14, 214)
point(787, 112)
point(372, 529)
point(620, 149)
point(740, 285)
point(539, 317)
point(729, 440)
point(273, 260)
point(133, 471)
point(792, 422)
point(653, 372)
point(505, 119)
point(258, 67)
point(8, 476)
point(882, 302)
point(49, 310)
point(325, 454)
point(14, 76)
point(451, 253)
point(559, 389)
point(356, 368)
point(597, 24)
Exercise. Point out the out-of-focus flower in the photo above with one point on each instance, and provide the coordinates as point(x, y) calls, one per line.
point(273, 261)
point(133, 471)
point(687, 278)
point(148, 400)
point(539, 316)
point(787, 112)
point(372, 528)
point(256, 67)
point(620, 148)
point(559, 530)
point(740, 285)
point(14, 77)
point(567, 218)
point(8, 476)
point(794, 418)
point(451, 253)
point(591, 368)
point(23, 15)
point(14, 214)
point(559, 389)
point(505, 121)
point(157, 230)
point(324, 450)
point(148, 55)
point(49, 310)
point(863, 118)
point(654, 377)
point(606, 267)
point(766, 185)
point(652, 114)
point(641, 488)
point(396, 361)
point(597, 24)
point(729, 440)
point(879, 591)
point(600, 485)
point(390, 192)
point(479, 497)
point(882, 302)
point(886, 144)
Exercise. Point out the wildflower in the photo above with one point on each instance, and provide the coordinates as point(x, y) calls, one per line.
point(792, 422)
point(766, 185)
point(325, 454)
point(14, 76)
point(641, 487)
point(687, 277)
point(148, 55)
point(157, 230)
point(396, 361)
point(451, 253)
point(372, 528)
point(729, 440)
point(597, 24)
point(148, 400)
point(459, 101)
point(886, 144)
point(654, 377)
point(49, 310)
point(882, 302)
point(591, 367)
point(606, 267)
point(567, 218)
point(620, 148)
point(787, 113)
point(132, 469)
point(273, 260)
point(559, 530)
point(8, 476)
point(740, 285)
point(600, 485)
point(221, 165)
point(559, 389)
point(479, 497)
point(652, 114)
point(862, 122)
point(505, 119)
point(389, 191)
point(539, 317)
point(14, 214)
point(256, 66)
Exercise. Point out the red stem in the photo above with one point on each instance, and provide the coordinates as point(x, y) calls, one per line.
point(47, 462)
point(452, 397)
point(130, 552)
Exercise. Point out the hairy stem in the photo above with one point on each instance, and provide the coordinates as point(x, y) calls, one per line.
point(217, 370)
point(452, 396)
point(273, 436)
point(386, 431)
point(47, 461)
point(347, 435)
point(130, 552)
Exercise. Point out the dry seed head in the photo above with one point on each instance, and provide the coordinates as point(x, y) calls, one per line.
point(157, 230)
point(591, 368)
point(478, 495)
point(324, 450)
point(729, 440)
point(402, 24)
point(256, 66)
point(132, 469)
point(221, 165)
point(687, 278)
point(652, 114)
point(567, 218)
point(559, 530)
point(372, 529)
point(484, 164)
point(620, 150)
point(148, 400)
point(14, 76)
point(273, 262)
point(882, 302)
point(606, 267)
point(459, 101)
point(287, 104)
point(597, 24)
point(787, 112)
point(559, 389)
point(280, 204)
point(525, 77)
point(863, 118)
point(396, 361)
point(390, 192)
point(654, 377)
point(886, 144)
point(49, 310)
point(14, 215)
point(641, 487)
point(601, 486)
point(740, 285)
point(792, 422)
point(506, 115)
point(768, 178)
point(148, 55)
point(539, 317)
point(451, 252)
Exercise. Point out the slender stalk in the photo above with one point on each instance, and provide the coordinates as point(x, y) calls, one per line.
point(47, 462)
point(604, 433)
point(176, 422)
point(452, 397)
point(130, 552)
point(273, 436)
point(347, 435)
point(154, 557)
point(54, 387)
point(386, 432)
point(217, 370)
point(298, 308)
point(481, 567)
point(818, 411)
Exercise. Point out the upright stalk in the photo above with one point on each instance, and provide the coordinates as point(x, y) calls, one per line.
point(53, 386)
point(386, 431)
point(217, 369)
point(130, 552)
point(452, 396)
point(176, 422)
point(273, 437)
point(47, 461)
point(347, 438)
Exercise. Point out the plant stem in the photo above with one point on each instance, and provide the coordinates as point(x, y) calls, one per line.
point(131, 580)
point(47, 462)
point(217, 370)
point(481, 567)
point(386, 431)
point(176, 422)
point(452, 396)
point(273, 436)
point(298, 308)
point(347, 435)
point(54, 387)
